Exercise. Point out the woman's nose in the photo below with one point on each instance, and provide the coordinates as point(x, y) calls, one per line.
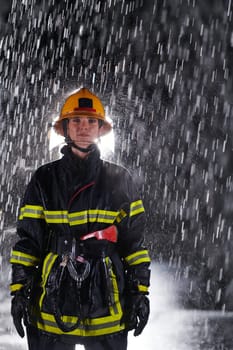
point(83, 123)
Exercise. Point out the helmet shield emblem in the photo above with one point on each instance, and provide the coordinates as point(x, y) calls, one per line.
point(85, 102)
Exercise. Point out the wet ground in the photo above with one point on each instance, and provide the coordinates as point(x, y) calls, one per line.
point(188, 330)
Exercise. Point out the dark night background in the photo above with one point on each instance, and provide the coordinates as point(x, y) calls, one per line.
point(163, 68)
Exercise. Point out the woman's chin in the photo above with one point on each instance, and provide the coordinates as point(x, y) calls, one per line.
point(83, 144)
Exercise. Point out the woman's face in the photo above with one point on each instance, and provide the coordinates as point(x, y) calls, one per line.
point(83, 131)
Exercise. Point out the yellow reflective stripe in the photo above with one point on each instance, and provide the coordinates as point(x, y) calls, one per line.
point(76, 218)
point(116, 307)
point(92, 215)
point(31, 211)
point(91, 327)
point(142, 288)
point(23, 259)
point(16, 287)
point(47, 266)
point(98, 215)
point(136, 208)
point(138, 257)
point(121, 215)
point(81, 217)
point(56, 216)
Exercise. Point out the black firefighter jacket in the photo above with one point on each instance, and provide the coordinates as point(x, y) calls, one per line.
point(65, 200)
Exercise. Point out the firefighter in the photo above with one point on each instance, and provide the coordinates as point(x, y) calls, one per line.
point(80, 271)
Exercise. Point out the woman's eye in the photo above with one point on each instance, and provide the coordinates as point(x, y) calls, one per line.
point(92, 121)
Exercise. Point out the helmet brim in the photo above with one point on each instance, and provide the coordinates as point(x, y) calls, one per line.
point(105, 128)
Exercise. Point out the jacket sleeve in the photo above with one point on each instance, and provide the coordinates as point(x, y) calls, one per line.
point(32, 230)
point(131, 237)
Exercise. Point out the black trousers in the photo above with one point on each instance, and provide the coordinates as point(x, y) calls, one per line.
point(41, 341)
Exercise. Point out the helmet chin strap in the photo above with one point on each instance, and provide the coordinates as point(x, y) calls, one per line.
point(71, 143)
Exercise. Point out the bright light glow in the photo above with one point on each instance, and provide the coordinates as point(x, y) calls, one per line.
point(55, 140)
point(106, 143)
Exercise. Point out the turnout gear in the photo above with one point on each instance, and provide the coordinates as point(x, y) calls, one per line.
point(137, 305)
point(41, 341)
point(137, 313)
point(80, 229)
point(138, 280)
point(19, 311)
point(82, 103)
point(68, 271)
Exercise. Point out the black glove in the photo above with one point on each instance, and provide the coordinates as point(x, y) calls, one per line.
point(19, 311)
point(137, 313)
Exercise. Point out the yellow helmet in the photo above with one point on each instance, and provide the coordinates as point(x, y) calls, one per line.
point(82, 103)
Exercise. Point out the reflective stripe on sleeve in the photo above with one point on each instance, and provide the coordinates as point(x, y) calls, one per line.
point(136, 208)
point(31, 211)
point(121, 215)
point(139, 257)
point(15, 287)
point(143, 289)
point(18, 257)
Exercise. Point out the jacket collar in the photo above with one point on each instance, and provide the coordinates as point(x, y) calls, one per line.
point(85, 168)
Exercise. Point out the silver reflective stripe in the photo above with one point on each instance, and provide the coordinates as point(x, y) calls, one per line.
point(136, 208)
point(31, 211)
point(102, 216)
point(62, 216)
point(21, 258)
point(78, 217)
point(56, 217)
point(82, 328)
point(138, 257)
point(18, 257)
point(133, 260)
